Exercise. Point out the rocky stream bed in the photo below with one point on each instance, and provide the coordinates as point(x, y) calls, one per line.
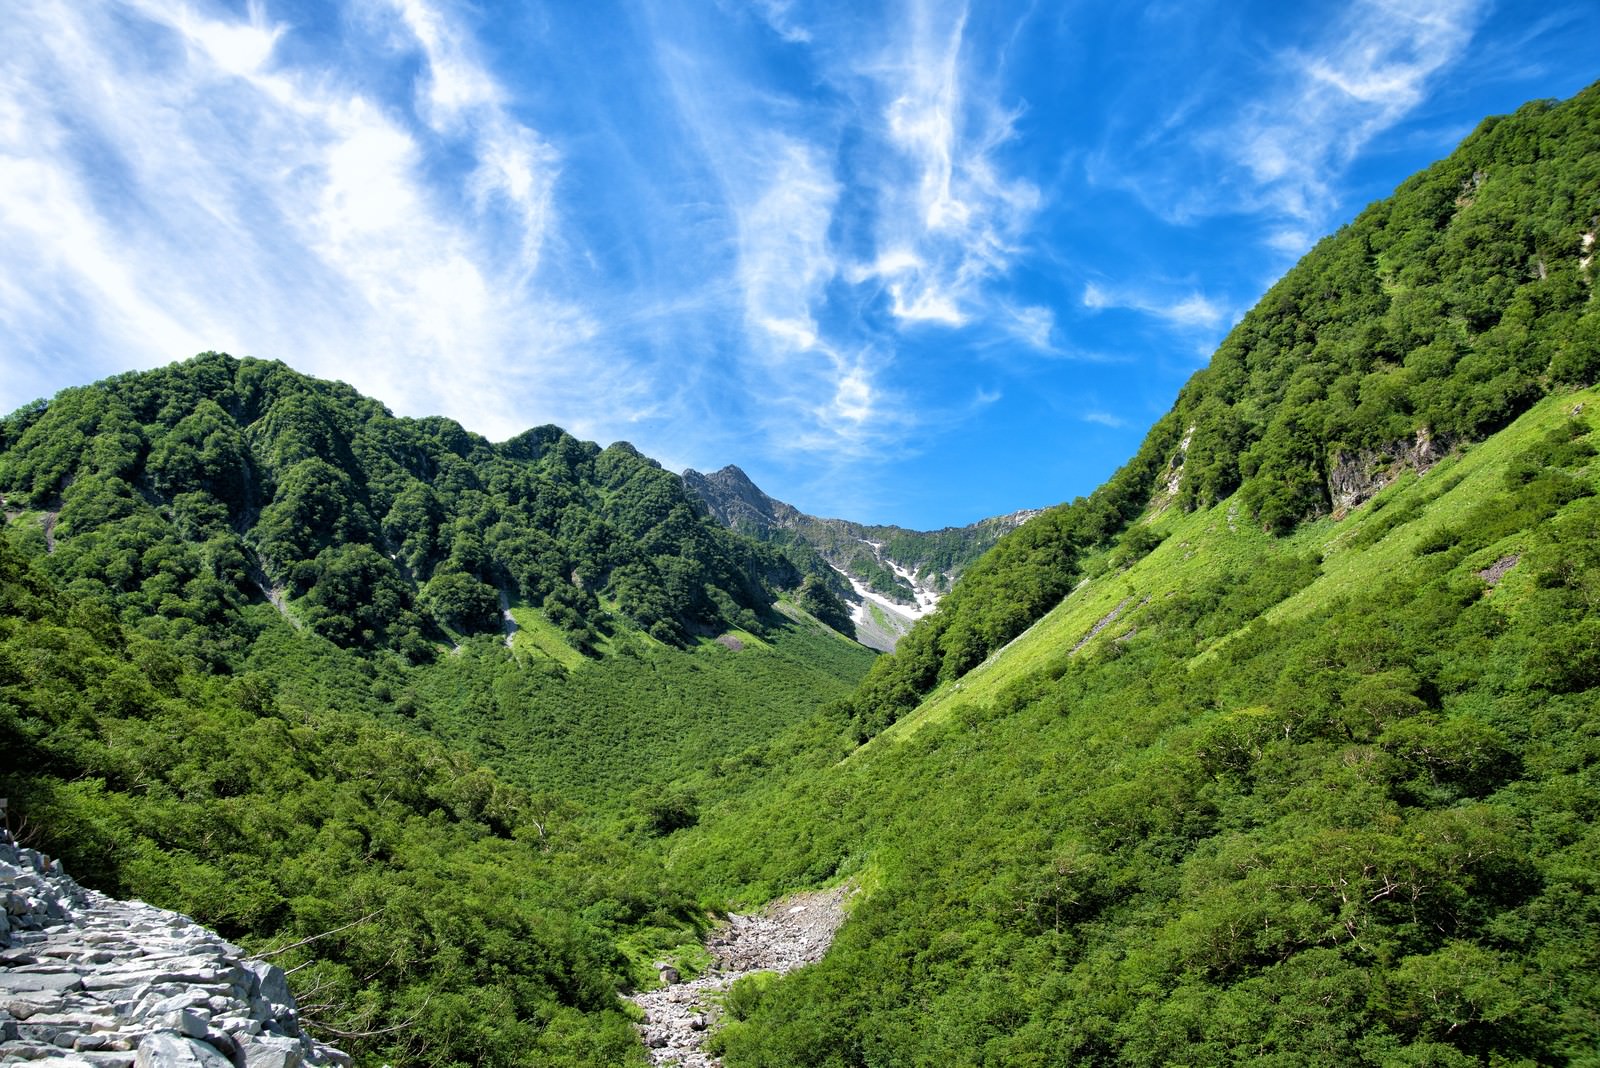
point(788, 933)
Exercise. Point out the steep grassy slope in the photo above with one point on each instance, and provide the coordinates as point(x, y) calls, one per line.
point(1280, 748)
point(1435, 318)
point(1279, 808)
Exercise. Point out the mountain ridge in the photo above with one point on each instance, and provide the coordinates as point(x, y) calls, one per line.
point(891, 576)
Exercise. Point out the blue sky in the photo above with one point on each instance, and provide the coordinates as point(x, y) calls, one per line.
point(913, 262)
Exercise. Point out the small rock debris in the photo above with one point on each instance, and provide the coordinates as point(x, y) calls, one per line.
point(788, 933)
point(1496, 571)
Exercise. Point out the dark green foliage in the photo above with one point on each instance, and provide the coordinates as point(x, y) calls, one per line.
point(358, 598)
point(276, 471)
point(815, 597)
point(1443, 308)
point(461, 602)
point(492, 915)
point(669, 809)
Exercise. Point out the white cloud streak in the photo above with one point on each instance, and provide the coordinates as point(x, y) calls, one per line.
point(938, 220)
point(1309, 113)
point(815, 389)
point(1368, 74)
point(1193, 311)
point(950, 220)
point(178, 188)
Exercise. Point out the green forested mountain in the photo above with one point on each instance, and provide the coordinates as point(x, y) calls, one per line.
point(189, 491)
point(275, 658)
point(1281, 747)
point(890, 576)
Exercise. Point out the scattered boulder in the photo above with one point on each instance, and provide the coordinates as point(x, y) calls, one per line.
point(1496, 571)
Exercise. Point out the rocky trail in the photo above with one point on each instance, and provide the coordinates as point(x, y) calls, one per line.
point(788, 933)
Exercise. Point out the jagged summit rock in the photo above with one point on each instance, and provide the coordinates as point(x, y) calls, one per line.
point(87, 980)
point(738, 503)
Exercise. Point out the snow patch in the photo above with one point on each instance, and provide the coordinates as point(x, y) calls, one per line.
point(927, 600)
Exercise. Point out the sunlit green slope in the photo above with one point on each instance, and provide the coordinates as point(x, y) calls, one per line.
point(1280, 748)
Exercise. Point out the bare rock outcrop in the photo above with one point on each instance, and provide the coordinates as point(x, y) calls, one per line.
point(86, 980)
point(1357, 476)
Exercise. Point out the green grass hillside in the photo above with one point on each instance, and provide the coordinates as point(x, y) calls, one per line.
point(1280, 747)
point(1323, 799)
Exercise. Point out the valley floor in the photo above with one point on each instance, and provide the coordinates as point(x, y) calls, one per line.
point(788, 933)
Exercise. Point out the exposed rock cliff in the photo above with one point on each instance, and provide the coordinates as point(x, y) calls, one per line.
point(88, 980)
point(1359, 475)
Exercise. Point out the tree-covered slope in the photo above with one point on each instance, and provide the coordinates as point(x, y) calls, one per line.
point(437, 913)
point(188, 491)
point(276, 659)
point(1279, 748)
point(545, 604)
point(1432, 320)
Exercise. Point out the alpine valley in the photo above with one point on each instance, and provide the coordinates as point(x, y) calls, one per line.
point(1282, 747)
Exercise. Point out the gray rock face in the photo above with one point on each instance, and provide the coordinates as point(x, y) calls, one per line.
point(1359, 475)
point(88, 980)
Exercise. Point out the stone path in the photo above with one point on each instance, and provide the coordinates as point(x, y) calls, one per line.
point(788, 933)
point(86, 980)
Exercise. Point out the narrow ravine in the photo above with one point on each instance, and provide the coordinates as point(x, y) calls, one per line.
point(790, 932)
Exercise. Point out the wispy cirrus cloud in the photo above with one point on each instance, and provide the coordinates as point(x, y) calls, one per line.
point(859, 219)
point(1368, 73)
point(458, 96)
point(949, 219)
point(1311, 108)
point(769, 255)
point(1190, 311)
point(219, 197)
point(785, 264)
point(1102, 418)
